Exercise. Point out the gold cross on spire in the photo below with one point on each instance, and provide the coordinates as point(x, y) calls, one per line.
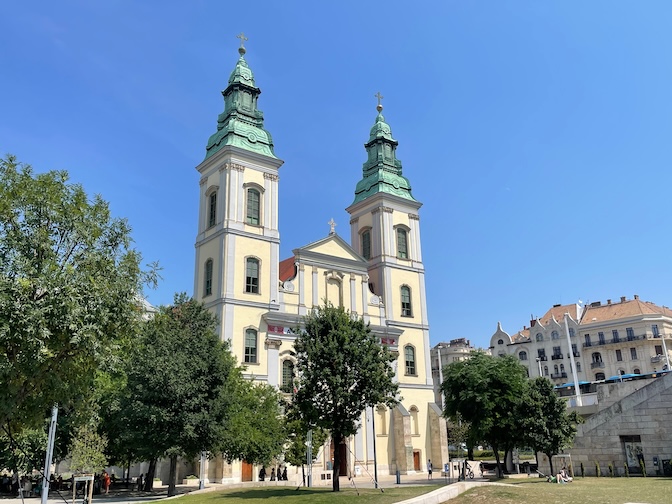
point(242, 38)
point(379, 107)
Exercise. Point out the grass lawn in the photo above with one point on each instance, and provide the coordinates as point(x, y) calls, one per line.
point(319, 495)
point(580, 491)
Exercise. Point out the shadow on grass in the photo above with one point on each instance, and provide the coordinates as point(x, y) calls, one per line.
point(265, 493)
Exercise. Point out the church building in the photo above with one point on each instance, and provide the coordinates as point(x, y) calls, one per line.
point(258, 297)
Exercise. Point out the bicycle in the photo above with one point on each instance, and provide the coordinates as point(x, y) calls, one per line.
point(468, 471)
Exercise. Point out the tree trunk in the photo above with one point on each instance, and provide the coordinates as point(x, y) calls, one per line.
point(336, 440)
point(470, 452)
point(550, 463)
point(172, 474)
point(499, 466)
point(149, 479)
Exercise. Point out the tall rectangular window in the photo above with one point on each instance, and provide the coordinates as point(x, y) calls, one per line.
point(654, 330)
point(212, 210)
point(402, 243)
point(659, 349)
point(207, 283)
point(250, 346)
point(406, 309)
point(287, 376)
point(633, 353)
point(366, 244)
point(614, 334)
point(409, 355)
point(619, 355)
point(253, 199)
point(630, 333)
point(252, 276)
point(600, 337)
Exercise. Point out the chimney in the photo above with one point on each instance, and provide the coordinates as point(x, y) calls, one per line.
point(608, 301)
point(532, 322)
point(622, 299)
point(636, 296)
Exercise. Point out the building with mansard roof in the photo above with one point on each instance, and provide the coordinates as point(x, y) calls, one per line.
point(600, 340)
point(377, 274)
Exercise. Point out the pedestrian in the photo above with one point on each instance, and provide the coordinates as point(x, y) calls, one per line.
point(262, 474)
point(106, 482)
point(273, 474)
point(140, 483)
point(284, 474)
point(429, 469)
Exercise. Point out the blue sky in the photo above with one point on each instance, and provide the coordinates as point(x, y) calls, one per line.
point(537, 134)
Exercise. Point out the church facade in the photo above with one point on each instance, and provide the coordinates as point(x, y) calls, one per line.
point(257, 297)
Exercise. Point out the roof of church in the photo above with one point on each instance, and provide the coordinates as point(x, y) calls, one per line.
point(287, 269)
point(241, 124)
point(382, 170)
point(597, 312)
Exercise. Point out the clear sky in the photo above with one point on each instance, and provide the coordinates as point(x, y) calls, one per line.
point(537, 134)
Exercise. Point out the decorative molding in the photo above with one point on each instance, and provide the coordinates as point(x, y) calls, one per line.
point(375, 211)
point(203, 180)
point(223, 167)
point(352, 276)
point(274, 343)
point(387, 209)
point(354, 220)
point(271, 176)
point(235, 166)
point(413, 216)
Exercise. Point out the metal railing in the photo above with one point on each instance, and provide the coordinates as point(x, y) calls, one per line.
point(595, 365)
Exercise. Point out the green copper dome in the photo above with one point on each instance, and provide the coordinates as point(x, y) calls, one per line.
point(241, 124)
point(382, 170)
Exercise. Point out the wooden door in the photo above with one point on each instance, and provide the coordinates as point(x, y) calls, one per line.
point(416, 460)
point(247, 471)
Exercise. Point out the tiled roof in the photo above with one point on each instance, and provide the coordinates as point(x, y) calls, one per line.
point(622, 309)
point(287, 269)
point(521, 335)
point(558, 312)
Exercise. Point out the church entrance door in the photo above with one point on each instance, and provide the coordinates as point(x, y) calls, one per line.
point(247, 471)
point(416, 460)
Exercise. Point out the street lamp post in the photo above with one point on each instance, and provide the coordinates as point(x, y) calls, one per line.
point(438, 352)
point(539, 364)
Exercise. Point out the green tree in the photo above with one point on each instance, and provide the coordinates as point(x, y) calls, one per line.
point(87, 449)
point(69, 280)
point(185, 394)
point(342, 369)
point(23, 451)
point(547, 426)
point(486, 391)
point(296, 448)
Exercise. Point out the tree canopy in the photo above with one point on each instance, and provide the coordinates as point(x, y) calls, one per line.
point(342, 368)
point(547, 426)
point(185, 394)
point(486, 391)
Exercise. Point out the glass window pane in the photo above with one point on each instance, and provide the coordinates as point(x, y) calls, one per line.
point(253, 207)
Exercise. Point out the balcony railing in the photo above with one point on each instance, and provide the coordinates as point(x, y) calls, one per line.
point(542, 358)
point(595, 365)
point(557, 357)
point(657, 358)
point(576, 354)
point(556, 376)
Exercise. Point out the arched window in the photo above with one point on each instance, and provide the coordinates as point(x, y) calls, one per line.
point(597, 357)
point(406, 309)
point(555, 369)
point(415, 426)
point(381, 424)
point(207, 278)
point(402, 243)
point(539, 337)
point(578, 367)
point(522, 355)
point(500, 341)
point(287, 376)
point(599, 376)
point(545, 370)
point(252, 275)
point(250, 346)
point(253, 206)
point(366, 244)
point(212, 209)
point(562, 368)
point(636, 371)
point(555, 335)
point(409, 355)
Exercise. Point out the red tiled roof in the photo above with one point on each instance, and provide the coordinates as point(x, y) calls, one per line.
point(287, 269)
point(623, 309)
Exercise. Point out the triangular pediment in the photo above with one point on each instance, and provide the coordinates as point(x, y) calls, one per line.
point(331, 246)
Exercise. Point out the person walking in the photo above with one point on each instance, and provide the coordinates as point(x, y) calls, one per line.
point(429, 469)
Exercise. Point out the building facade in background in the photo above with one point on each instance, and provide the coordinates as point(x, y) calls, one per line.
point(603, 339)
point(259, 298)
